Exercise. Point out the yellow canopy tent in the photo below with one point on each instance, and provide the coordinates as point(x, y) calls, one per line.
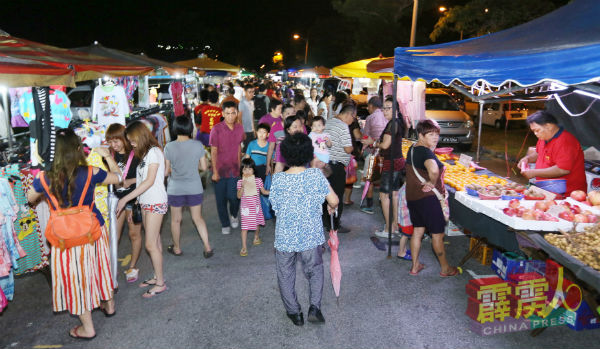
point(358, 69)
point(203, 63)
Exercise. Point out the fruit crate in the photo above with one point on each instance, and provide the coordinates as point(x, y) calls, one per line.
point(483, 254)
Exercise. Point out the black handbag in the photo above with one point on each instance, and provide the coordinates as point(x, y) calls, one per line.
point(136, 213)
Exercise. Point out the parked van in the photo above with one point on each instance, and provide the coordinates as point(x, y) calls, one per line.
point(497, 114)
point(456, 126)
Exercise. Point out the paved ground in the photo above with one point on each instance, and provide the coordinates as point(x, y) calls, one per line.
point(233, 302)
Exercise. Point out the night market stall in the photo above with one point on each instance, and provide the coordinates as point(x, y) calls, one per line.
point(538, 59)
point(35, 77)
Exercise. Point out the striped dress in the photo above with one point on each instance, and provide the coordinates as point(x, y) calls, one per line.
point(250, 209)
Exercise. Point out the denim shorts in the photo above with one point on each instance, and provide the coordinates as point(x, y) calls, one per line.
point(185, 200)
point(397, 181)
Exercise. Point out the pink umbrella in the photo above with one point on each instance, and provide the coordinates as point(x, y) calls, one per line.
point(334, 265)
point(369, 175)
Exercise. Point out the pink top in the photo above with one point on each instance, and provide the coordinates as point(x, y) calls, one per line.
point(228, 146)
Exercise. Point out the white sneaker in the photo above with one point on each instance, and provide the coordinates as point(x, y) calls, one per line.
point(384, 233)
point(225, 230)
point(235, 222)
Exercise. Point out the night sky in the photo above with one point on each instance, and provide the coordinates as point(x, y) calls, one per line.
point(244, 33)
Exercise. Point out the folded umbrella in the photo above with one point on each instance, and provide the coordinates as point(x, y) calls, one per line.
point(113, 200)
point(334, 266)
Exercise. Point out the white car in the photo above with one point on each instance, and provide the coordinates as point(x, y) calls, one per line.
point(456, 126)
point(497, 114)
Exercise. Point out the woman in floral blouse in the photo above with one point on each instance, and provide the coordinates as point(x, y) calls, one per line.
point(297, 196)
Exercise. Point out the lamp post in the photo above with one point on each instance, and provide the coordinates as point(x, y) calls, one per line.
point(298, 37)
point(413, 28)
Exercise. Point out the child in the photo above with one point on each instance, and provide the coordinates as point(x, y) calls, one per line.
point(321, 142)
point(257, 150)
point(248, 189)
point(276, 135)
point(291, 125)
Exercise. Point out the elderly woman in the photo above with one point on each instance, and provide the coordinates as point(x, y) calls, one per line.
point(297, 195)
point(424, 172)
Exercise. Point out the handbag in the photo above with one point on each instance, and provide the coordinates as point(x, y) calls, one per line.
point(265, 203)
point(442, 198)
point(351, 171)
point(136, 213)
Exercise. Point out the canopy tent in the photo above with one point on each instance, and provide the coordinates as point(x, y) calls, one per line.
point(203, 63)
point(558, 53)
point(16, 72)
point(561, 47)
point(318, 71)
point(358, 69)
point(99, 50)
point(84, 66)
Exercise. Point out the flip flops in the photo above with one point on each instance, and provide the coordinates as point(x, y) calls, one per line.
point(257, 242)
point(454, 272)
point(406, 257)
point(73, 334)
point(147, 283)
point(171, 250)
point(421, 267)
point(150, 293)
point(243, 252)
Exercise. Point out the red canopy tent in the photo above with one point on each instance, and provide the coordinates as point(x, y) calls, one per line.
point(85, 66)
point(16, 72)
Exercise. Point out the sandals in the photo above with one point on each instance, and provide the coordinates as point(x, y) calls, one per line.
point(257, 242)
point(243, 252)
point(150, 293)
point(421, 267)
point(73, 334)
point(147, 283)
point(454, 272)
point(106, 314)
point(171, 250)
point(209, 253)
point(131, 274)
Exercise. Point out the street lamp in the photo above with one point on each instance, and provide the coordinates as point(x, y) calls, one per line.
point(443, 9)
point(413, 27)
point(298, 37)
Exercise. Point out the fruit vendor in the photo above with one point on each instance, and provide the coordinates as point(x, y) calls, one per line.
point(557, 155)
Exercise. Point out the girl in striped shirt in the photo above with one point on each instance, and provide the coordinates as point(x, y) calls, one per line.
point(248, 189)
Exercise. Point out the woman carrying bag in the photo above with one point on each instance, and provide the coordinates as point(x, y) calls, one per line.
point(425, 197)
point(80, 272)
point(127, 162)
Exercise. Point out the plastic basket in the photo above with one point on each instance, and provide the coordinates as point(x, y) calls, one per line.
point(558, 186)
point(446, 150)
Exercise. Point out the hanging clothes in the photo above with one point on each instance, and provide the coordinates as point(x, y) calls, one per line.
point(110, 105)
point(26, 225)
point(176, 91)
point(49, 110)
point(15, 110)
point(129, 84)
point(10, 249)
point(411, 99)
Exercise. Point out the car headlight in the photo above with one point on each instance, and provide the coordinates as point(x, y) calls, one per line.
point(468, 124)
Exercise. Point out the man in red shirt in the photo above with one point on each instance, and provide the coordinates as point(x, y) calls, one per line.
point(557, 155)
point(210, 115)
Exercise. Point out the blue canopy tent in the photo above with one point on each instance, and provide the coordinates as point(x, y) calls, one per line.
point(556, 54)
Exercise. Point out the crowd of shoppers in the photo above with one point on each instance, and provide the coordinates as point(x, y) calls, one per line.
point(252, 135)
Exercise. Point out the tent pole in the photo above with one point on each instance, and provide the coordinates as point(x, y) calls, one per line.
point(479, 129)
point(9, 134)
point(391, 177)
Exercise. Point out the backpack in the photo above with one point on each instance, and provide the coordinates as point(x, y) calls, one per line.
point(71, 226)
point(260, 106)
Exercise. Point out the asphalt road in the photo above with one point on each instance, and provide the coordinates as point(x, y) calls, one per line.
point(229, 301)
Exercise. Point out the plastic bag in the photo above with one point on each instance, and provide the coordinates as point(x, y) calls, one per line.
point(264, 200)
point(351, 171)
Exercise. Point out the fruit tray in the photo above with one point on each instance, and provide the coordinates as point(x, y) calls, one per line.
point(493, 209)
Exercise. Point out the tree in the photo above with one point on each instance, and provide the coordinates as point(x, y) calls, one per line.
point(479, 17)
point(377, 26)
